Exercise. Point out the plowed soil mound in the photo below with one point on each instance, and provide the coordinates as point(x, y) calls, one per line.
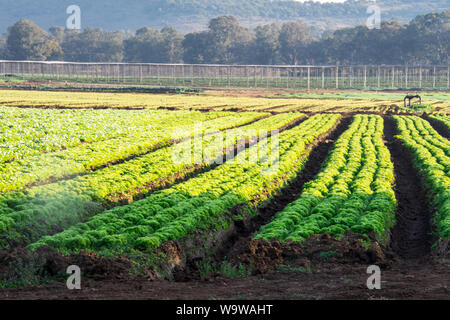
point(46, 262)
point(263, 256)
point(324, 280)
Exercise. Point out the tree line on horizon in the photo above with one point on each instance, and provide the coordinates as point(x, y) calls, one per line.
point(424, 40)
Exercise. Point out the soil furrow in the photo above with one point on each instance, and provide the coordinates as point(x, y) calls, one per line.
point(411, 235)
point(439, 127)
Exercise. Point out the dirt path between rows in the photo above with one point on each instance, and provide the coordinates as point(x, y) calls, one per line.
point(411, 236)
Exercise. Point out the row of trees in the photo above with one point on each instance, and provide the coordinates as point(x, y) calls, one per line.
point(425, 40)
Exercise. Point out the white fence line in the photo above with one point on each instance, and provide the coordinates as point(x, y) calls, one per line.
point(240, 76)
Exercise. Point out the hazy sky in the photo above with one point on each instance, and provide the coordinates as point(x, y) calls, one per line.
point(322, 0)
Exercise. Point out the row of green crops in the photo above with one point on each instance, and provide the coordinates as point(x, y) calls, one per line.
point(442, 118)
point(8, 113)
point(17, 175)
point(431, 155)
point(30, 214)
point(199, 202)
point(418, 108)
point(53, 130)
point(353, 192)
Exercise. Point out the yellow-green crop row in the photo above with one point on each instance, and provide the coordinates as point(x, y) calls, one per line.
point(62, 203)
point(54, 130)
point(353, 191)
point(83, 158)
point(431, 154)
point(211, 100)
point(442, 118)
point(197, 203)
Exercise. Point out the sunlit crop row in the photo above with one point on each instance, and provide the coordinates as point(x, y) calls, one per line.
point(197, 203)
point(218, 101)
point(56, 203)
point(43, 131)
point(442, 118)
point(83, 158)
point(353, 191)
point(431, 153)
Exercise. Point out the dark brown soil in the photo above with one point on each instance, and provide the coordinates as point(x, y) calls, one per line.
point(46, 262)
point(411, 236)
point(326, 280)
point(321, 268)
point(441, 128)
point(273, 110)
point(264, 256)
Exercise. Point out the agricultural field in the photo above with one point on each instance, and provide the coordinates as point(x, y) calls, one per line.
point(383, 103)
point(223, 187)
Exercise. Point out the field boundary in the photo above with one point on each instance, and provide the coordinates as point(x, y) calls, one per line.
point(234, 76)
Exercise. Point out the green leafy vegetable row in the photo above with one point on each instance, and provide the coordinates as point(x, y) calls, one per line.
point(53, 130)
point(352, 192)
point(39, 210)
point(199, 202)
point(442, 118)
point(81, 159)
point(431, 158)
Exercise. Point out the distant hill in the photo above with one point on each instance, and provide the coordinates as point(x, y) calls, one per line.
point(193, 15)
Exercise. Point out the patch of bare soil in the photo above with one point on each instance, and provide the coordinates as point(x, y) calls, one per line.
point(263, 256)
point(46, 262)
point(324, 280)
point(251, 93)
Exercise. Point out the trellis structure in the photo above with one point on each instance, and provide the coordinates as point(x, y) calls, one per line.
point(235, 76)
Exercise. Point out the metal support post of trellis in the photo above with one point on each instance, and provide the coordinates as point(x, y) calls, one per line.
point(351, 77)
point(434, 77)
point(309, 78)
point(420, 77)
point(323, 78)
point(247, 73)
point(365, 77)
point(337, 77)
point(379, 77)
point(406, 76)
